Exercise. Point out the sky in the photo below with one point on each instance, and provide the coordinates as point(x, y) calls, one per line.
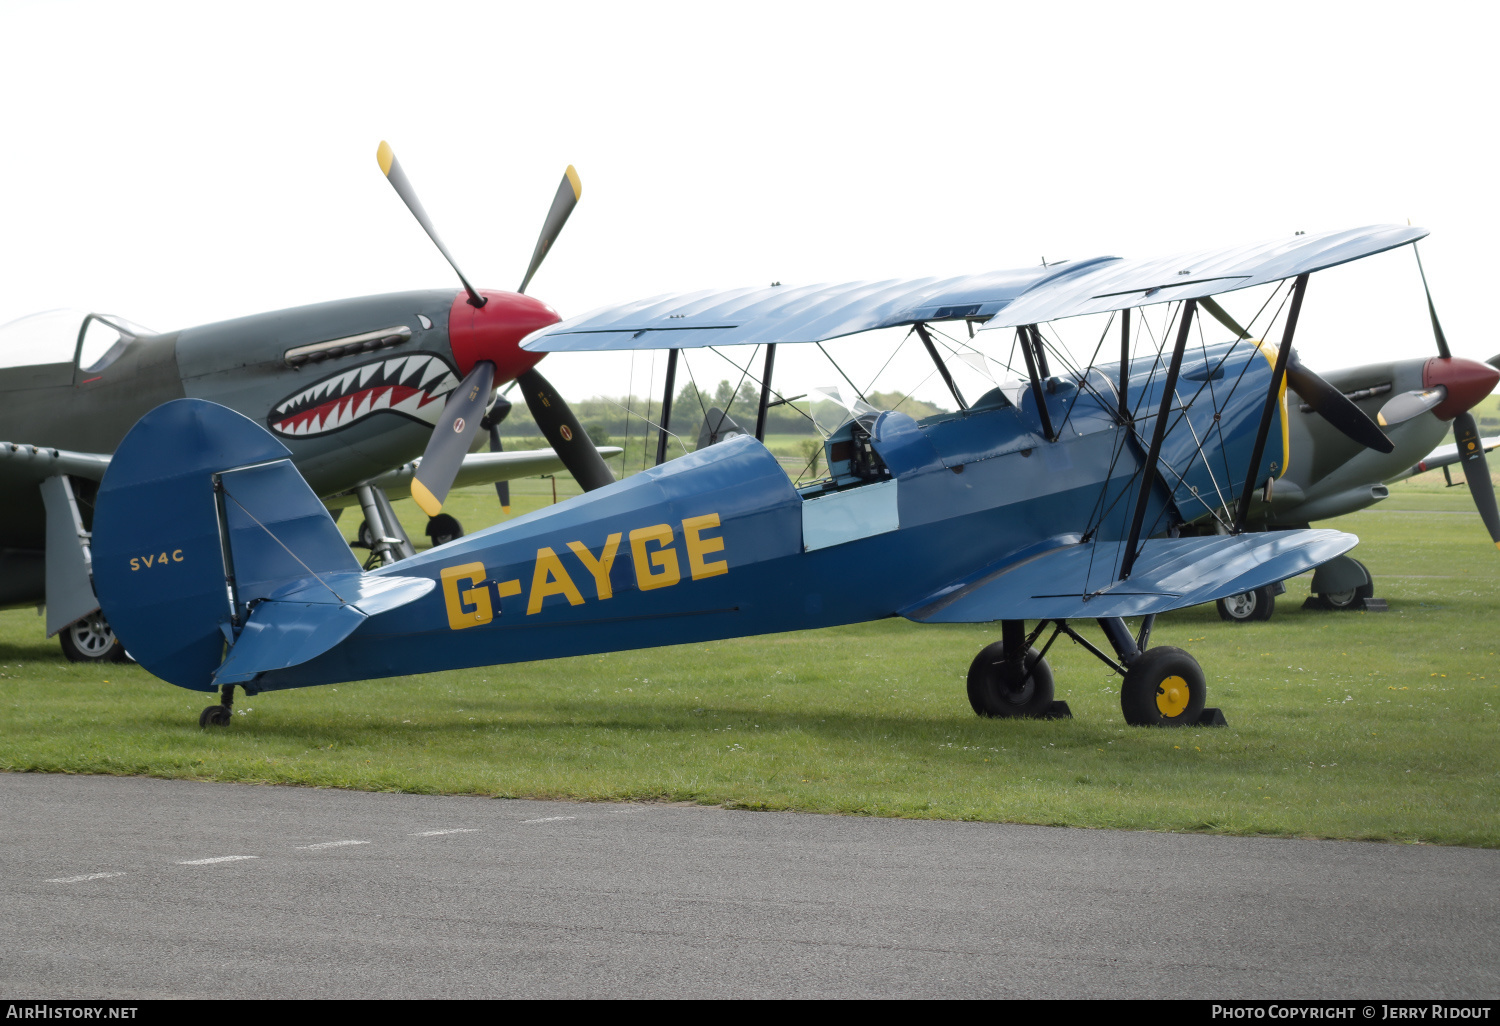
point(181, 164)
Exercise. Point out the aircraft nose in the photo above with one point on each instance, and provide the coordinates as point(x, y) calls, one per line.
point(1467, 382)
point(494, 331)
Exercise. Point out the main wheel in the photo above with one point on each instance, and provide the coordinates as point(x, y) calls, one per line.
point(91, 641)
point(214, 716)
point(999, 688)
point(443, 529)
point(1351, 598)
point(366, 537)
point(1248, 606)
point(1164, 687)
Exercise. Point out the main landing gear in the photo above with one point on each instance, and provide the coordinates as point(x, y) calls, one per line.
point(90, 640)
point(221, 714)
point(1161, 687)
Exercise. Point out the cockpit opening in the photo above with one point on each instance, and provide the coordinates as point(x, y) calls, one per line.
point(92, 341)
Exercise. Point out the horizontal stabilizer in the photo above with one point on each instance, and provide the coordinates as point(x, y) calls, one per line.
point(1076, 581)
point(304, 621)
point(30, 464)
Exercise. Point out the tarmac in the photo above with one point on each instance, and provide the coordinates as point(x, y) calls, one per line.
point(125, 887)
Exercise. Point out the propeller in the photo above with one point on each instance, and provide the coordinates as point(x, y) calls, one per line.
point(1466, 431)
point(391, 168)
point(498, 413)
point(568, 194)
point(1334, 406)
point(465, 409)
point(451, 438)
point(563, 432)
point(1409, 405)
point(1328, 402)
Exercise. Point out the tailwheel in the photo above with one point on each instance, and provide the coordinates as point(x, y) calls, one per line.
point(1248, 606)
point(1164, 687)
point(219, 715)
point(1003, 687)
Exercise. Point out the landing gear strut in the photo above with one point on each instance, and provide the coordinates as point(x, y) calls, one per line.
point(1161, 687)
point(221, 714)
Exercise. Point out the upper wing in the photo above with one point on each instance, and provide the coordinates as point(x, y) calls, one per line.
point(1064, 583)
point(1122, 284)
point(30, 464)
point(810, 313)
point(477, 468)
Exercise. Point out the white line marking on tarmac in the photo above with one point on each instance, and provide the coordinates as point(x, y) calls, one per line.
point(547, 819)
point(440, 833)
point(328, 844)
point(220, 858)
point(81, 879)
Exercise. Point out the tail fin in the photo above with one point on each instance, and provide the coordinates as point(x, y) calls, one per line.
point(201, 514)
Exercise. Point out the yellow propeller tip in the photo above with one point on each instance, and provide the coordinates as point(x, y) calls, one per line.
point(575, 183)
point(505, 510)
point(386, 156)
point(425, 499)
point(1380, 419)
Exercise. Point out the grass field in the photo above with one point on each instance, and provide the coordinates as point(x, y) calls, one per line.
point(1360, 725)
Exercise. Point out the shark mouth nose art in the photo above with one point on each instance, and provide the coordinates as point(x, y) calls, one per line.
point(412, 386)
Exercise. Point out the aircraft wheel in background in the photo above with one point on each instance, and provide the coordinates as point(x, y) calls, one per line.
point(1248, 606)
point(443, 529)
point(215, 716)
point(366, 538)
point(1351, 597)
point(999, 688)
point(90, 640)
point(1164, 687)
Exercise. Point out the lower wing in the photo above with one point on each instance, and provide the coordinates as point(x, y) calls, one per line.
point(1169, 573)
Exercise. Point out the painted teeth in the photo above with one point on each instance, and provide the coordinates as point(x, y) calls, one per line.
point(374, 384)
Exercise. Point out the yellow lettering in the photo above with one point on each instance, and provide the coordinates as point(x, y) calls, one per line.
point(599, 567)
point(698, 547)
point(550, 578)
point(509, 588)
point(147, 560)
point(177, 555)
point(665, 558)
point(162, 558)
point(458, 616)
point(135, 564)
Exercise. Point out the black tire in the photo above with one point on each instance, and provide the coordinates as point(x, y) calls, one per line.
point(90, 640)
point(995, 691)
point(1164, 687)
point(366, 537)
point(443, 529)
point(1248, 606)
point(214, 716)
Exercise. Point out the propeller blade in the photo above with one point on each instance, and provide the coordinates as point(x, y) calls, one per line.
point(1411, 404)
point(563, 203)
point(1494, 361)
point(1335, 407)
point(1437, 329)
point(498, 412)
point(563, 432)
point(1477, 472)
point(451, 438)
point(1222, 316)
point(391, 168)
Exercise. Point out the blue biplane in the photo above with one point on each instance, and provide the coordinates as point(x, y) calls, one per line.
point(1115, 490)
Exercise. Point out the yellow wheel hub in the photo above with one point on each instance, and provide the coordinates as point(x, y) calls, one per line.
point(1172, 696)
